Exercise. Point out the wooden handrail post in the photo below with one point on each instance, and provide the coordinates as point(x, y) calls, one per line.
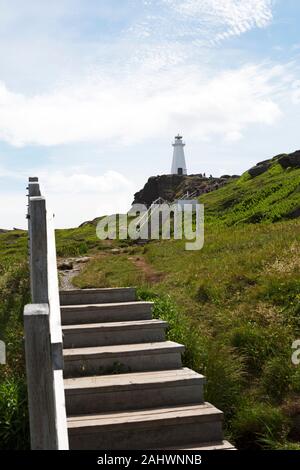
point(40, 377)
point(33, 186)
point(38, 250)
point(43, 332)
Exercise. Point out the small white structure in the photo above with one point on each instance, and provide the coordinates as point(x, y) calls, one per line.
point(178, 165)
point(2, 353)
point(187, 202)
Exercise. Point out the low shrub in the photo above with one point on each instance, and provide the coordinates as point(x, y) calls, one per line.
point(14, 427)
point(14, 294)
point(257, 424)
point(180, 329)
point(276, 378)
point(253, 343)
point(224, 379)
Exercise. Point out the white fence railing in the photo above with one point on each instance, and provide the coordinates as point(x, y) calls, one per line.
point(43, 333)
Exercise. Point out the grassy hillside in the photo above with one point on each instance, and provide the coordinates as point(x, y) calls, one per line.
point(269, 197)
point(14, 294)
point(234, 304)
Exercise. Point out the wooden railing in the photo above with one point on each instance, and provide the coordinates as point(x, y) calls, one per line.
point(43, 333)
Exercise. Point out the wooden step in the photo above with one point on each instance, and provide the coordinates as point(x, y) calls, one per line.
point(97, 296)
point(223, 445)
point(122, 358)
point(104, 334)
point(108, 312)
point(146, 429)
point(86, 395)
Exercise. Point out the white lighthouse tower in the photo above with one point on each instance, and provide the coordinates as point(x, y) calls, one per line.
point(178, 164)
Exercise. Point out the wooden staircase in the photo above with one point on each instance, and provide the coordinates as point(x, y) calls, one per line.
point(125, 386)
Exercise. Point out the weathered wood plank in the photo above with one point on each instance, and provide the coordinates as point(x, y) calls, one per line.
point(39, 377)
point(38, 250)
point(44, 290)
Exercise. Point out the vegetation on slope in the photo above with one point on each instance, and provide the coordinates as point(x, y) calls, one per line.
point(234, 304)
point(14, 294)
point(269, 197)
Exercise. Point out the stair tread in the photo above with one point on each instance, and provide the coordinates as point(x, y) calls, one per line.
point(135, 324)
point(136, 378)
point(92, 296)
point(105, 305)
point(224, 445)
point(96, 289)
point(146, 416)
point(124, 349)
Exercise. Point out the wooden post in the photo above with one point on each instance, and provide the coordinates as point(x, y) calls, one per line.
point(33, 187)
point(38, 250)
point(43, 332)
point(40, 377)
point(56, 337)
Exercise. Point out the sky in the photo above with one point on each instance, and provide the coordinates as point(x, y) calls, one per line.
point(92, 93)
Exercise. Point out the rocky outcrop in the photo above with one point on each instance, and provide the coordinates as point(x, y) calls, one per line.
point(171, 187)
point(260, 168)
point(291, 160)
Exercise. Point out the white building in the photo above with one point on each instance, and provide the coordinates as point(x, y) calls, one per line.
point(187, 202)
point(178, 164)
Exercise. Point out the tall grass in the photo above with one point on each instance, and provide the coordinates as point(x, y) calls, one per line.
point(235, 306)
point(14, 294)
point(270, 197)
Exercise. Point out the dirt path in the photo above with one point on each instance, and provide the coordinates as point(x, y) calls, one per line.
point(150, 274)
point(68, 268)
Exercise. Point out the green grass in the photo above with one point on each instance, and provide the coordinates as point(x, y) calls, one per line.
point(13, 246)
point(76, 241)
point(14, 294)
point(234, 304)
point(270, 197)
point(108, 271)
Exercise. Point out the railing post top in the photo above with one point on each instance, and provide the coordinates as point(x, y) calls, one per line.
point(33, 186)
point(36, 309)
point(37, 198)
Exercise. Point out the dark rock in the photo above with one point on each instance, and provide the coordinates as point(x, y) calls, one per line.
point(84, 259)
point(172, 187)
point(294, 214)
point(290, 161)
point(65, 266)
point(260, 168)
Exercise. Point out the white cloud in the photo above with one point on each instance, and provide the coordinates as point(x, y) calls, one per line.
point(137, 107)
point(204, 20)
point(72, 210)
point(74, 197)
point(134, 90)
point(62, 182)
point(12, 210)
